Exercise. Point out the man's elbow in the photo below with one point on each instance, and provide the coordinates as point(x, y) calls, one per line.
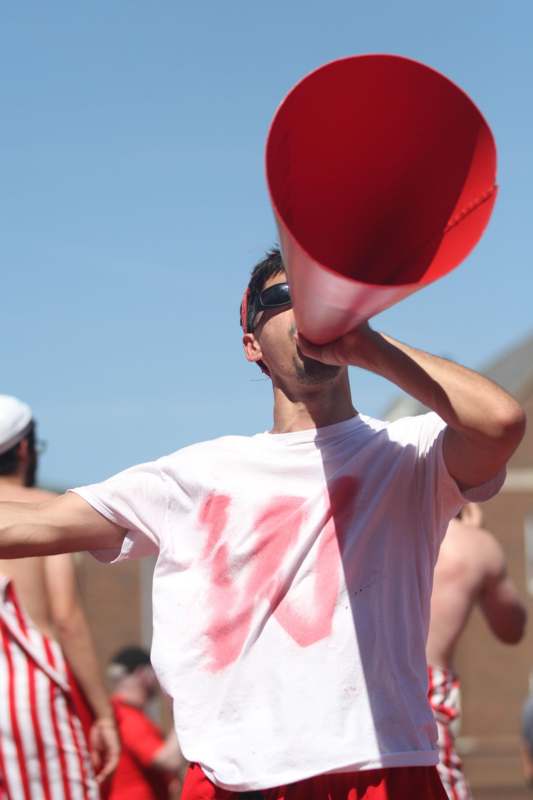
point(68, 622)
point(509, 425)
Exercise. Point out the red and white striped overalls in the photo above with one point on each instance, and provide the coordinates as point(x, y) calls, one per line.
point(43, 751)
point(445, 699)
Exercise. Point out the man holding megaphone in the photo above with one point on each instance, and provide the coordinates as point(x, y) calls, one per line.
point(293, 579)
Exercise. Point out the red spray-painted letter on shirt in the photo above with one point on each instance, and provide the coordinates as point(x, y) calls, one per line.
point(256, 586)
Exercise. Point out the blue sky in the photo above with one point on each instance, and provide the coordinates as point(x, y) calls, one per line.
point(133, 205)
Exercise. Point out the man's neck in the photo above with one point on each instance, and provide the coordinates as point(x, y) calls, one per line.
point(8, 481)
point(315, 407)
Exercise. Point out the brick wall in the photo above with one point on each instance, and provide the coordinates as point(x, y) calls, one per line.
point(112, 600)
point(495, 677)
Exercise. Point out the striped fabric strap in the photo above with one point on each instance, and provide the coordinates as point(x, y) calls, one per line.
point(8, 616)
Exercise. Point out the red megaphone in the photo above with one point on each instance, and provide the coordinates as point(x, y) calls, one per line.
point(382, 178)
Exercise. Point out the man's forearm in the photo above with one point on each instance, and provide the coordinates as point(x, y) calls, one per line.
point(65, 524)
point(169, 757)
point(467, 401)
point(485, 424)
point(503, 609)
point(21, 532)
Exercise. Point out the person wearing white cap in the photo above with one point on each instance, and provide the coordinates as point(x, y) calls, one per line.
point(48, 670)
point(15, 421)
point(16, 436)
point(292, 588)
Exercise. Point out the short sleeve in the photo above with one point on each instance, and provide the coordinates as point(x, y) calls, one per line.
point(439, 492)
point(136, 500)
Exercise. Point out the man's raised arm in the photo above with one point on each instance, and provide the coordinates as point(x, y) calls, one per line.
point(64, 524)
point(485, 424)
point(499, 599)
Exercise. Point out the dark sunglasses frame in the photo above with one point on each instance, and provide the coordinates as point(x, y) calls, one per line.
point(275, 296)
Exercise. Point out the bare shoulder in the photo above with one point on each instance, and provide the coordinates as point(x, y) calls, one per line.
point(41, 495)
point(24, 494)
point(472, 545)
point(486, 549)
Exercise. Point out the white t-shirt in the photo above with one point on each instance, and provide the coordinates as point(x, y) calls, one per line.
point(291, 593)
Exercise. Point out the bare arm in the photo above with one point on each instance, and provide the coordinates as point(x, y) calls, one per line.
point(169, 757)
point(485, 424)
point(499, 600)
point(150, 749)
point(64, 524)
point(76, 641)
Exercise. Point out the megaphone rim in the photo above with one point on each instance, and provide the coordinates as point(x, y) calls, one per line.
point(426, 280)
point(392, 56)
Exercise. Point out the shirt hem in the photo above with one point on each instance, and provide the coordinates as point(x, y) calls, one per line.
point(407, 759)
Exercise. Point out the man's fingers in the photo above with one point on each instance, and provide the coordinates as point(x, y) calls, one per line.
point(325, 352)
point(308, 348)
point(105, 772)
point(105, 750)
point(107, 764)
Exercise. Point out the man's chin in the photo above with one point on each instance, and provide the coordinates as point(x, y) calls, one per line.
point(310, 371)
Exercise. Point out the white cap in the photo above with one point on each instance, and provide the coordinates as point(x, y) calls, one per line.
point(15, 421)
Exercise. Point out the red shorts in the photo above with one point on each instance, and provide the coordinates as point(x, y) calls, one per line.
point(399, 783)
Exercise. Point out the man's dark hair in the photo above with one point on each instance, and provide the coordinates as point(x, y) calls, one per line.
point(9, 460)
point(270, 265)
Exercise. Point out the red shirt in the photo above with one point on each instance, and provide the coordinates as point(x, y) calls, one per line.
point(141, 739)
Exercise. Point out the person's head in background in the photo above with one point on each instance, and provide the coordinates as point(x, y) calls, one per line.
point(132, 676)
point(18, 449)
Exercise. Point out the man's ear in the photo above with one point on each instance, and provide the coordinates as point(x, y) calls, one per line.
point(23, 451)
point(251, 347)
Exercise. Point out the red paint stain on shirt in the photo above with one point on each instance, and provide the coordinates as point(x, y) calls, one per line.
point(260, 584)
point(276, 530)
point(229, 623)
point(233, 600)
point(213, 515)
point(311, 623)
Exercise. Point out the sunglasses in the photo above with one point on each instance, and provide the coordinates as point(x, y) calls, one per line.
point(275, 296)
